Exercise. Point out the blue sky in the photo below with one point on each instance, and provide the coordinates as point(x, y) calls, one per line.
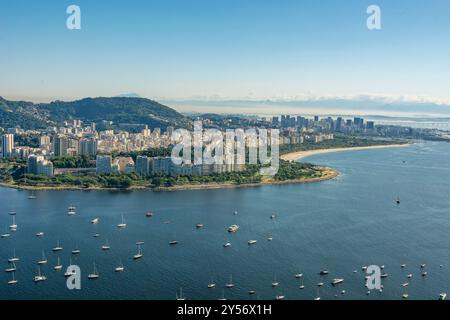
point(175, 49)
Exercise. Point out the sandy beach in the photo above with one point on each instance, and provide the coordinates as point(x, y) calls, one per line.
point(301, 154)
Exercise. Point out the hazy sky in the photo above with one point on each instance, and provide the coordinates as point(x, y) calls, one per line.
point(229, 48)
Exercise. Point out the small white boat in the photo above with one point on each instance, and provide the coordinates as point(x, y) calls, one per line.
point(173, 242)
point(58, 266)
point(424, 274)
point(317, 299)
point(250, 242)
point(269, 239)
point(39, 277)
point(211, 285)
point(58, 247)
point(5, 235)
point(72, 210)
point(422, 266)
point(69, 273)
point(273, 216)
point(405, 296)
point(76, 251)
point(94, 221)
point(323, 272)
point(275, 283)
point(96, 235)
point(320, 284)
point(337, 281)
point(364, 268)
point(13, 280)
point(280, 297)
point(149, 214)
point(180, 297)
point(226, 245)
point(139, 243)
point(139, 254)
point(43, 259)
point(230, 284)
point(31, 196)
point(40, 234)
point(12, 268)
point(405, 284)
point(443, 296)
point(235, 213)
point(12, 213)
point(199, 226)
point(410, 276)
point(120, 267)
point(106, 246)
point(233, 228)
point(13, 226)
point(122, 224)
point(403, 266)
point(14, 258)
point(298, 275)
point(384, 275)
point(94, 274)
point(251, 292)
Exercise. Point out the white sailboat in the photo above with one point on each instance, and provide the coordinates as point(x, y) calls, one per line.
point(275, 283)
point(39, 234)
point(58, 265)
point(13, 258)
point(32, 195)
point(94, 274)
point(76, 250)
point(39, 277)
point(13, 280)
point(106, 246)
point(70, 273)
point(43, 259)
point(230, 284)
point(94, 221)
point(122, 224)
point(180, 297)
point(72, 210)
point(11, 268)
point(58, 247)
point(120, 267)
point(139, 254)
point(13, 226)
point(5, 235)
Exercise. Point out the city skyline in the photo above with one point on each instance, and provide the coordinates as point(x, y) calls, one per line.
point(219, 50)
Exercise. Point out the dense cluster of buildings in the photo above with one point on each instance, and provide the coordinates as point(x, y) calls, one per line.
point(329, 124)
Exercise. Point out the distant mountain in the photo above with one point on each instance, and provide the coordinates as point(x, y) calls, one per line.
point(117, 109)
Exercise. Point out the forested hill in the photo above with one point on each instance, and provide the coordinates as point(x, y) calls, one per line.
point(117, 109)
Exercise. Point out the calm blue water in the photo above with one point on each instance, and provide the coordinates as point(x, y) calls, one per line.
point(340, 225)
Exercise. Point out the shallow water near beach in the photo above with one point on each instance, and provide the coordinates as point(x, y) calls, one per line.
point(339, 225)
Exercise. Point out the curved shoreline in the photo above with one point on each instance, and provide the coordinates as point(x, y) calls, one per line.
point(328, 174)
point(297, 155)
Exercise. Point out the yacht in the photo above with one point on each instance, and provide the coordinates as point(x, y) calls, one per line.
point(139, 243)
point(13, 226)
point(343, 292)
point(423, 266)
point(424, 274)
point(442, 296)
point(233, 228)
point(39, 277)
point(12, 268)
point(275, 283)
point(280, 297)
point(337, 281)
point(180, 297)
point(32, 196)
point(139, 254)
point(230, 284)
point(72, 210)
point(235, 213)
point(58, 266)
point(43, 259)
point(122, 224)
point(409, 276)
point(403, 266)
point(317, 299)
point(251, 292)
point(323, 272)
point(120, 268)
point(106, 246)
point(5, 235)
point(397, 200)
point(250, 242)
point(269, 238)
point(226, 245)
point(384, 275)
point(273, 216)
point(94, 274)
point(298, 275)
point(94, 221)
point(199, 225)
point(211, 285)
point(96, 235)
point(12, 213)
point(405, 284)
point(302, 285)
point(71, 272)
point(13, 258)
point(76, 250)
point(58, 247)
point(13, 280)
point(173, 242)
point(405, 296)
point(149, 214)
point(222, 298)
point(364, 268)
point(320, 284)
point(40, 234)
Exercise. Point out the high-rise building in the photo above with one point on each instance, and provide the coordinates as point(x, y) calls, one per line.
point(316, 118)
point(370, 125)
point(275, 121)
point(88, 147)
point(161, 165)
point(142, 165)
point(44, 141)
point(60, 146)
point(32, 162)
point(7, 145)
point(45, 167)
point(104, 164)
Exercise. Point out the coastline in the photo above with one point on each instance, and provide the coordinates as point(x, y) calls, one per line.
point(328, 174)
point(297, 155)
